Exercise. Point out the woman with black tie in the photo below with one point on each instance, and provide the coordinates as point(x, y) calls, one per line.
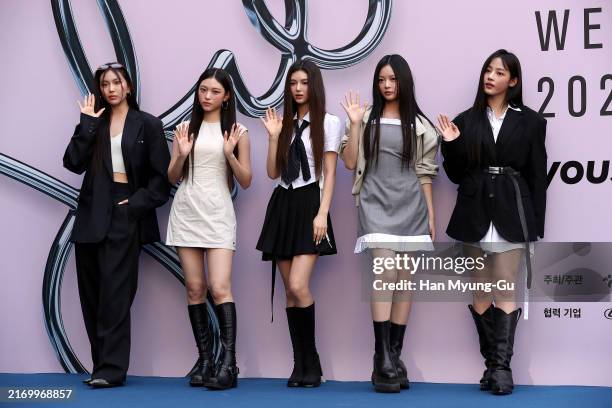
point(124, 155)
point(495, 151)
point(302, 150)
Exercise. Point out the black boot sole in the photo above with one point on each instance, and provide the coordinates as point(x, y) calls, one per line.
point(387, 387)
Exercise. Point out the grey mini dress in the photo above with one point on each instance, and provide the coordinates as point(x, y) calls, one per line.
point(392, 213)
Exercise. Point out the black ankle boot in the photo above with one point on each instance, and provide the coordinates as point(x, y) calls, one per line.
point(485, 328)
point(505, 327)
point(226, 372)
point(396, 342)
point(295, 331)
point(385, 372)
point(312, 364)
point(198, 316)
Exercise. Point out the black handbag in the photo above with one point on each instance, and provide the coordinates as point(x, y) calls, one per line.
point(324, 247)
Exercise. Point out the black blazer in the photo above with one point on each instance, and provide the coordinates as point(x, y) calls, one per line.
point(146, 157)
point(482, 197)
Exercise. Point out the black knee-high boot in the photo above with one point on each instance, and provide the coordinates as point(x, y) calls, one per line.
point(296, 332)
point(505, 328)
point(385, 372)
point(312, 364)
point(485, 327)
point(396, 342)
point(198, 316)
point(226, 372)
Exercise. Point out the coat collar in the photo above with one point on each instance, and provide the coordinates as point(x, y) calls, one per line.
point(511, 120)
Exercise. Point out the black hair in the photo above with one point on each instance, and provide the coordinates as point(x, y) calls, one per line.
point(228, 116)
point(477, 124)
point(408, 108)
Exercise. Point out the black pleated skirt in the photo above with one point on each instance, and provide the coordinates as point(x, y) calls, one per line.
point(287, 230)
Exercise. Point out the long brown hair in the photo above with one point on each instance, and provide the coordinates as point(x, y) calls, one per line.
point(228, 118)
point(103, 131)
point(316, 109)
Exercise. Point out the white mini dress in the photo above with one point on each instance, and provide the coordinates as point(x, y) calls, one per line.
point(202, 213)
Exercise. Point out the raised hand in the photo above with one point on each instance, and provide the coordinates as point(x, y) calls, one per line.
point(232, 139)
point(273, 123)
point(353, 108)
point(183, 140)
point(447, 129)
point(89, 105)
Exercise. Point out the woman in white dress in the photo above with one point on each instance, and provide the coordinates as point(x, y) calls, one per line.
point(207, 154)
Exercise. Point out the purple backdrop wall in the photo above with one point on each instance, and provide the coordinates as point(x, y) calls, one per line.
point(445, 42)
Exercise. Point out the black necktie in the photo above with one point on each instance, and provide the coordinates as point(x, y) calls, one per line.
point(297, 157)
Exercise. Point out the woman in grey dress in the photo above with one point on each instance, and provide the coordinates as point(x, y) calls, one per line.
point(392, 149)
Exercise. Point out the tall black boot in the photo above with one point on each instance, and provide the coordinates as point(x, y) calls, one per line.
point(312, 364)
point(396, 342)
point(485, 328)
point(198, 316)
point(385, 371)
point(505, 327)
point(295, 331)
point(226, 372)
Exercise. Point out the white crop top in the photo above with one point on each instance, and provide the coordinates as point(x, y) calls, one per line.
point(117, 154)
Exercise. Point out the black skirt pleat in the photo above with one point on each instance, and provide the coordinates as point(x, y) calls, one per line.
point(287, 229)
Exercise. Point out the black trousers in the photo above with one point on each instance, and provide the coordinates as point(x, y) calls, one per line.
point(107, 274)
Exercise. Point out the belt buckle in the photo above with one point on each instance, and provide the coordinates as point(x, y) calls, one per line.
point(495, 170)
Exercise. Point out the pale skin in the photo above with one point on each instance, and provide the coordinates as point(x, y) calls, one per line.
point(296, 272)
point(114, 90)
point(497, 80)
point(211, 96)
point(398, 310)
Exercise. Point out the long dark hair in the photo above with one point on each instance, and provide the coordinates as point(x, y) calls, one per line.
point(103, 132)
point(477, 125)
point(316, 109)
point(408, 108)
point(228, 116)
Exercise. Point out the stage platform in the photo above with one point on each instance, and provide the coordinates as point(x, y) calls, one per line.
point(153, 392)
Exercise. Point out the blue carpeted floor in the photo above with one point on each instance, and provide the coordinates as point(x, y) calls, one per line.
point(152, 392)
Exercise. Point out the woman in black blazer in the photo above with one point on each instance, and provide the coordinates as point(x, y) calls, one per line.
point(495, 151)
point(124, 155)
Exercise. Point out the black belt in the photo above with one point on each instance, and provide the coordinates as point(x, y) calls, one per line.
point(513, 174)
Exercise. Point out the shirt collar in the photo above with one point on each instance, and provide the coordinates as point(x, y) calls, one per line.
point(491, 114)
point(306, 117)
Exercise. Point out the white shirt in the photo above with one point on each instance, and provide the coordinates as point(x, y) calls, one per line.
point(496, 123)
point(333, 132)
point(117, 154)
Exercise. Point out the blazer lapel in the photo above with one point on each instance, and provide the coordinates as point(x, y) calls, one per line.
point(131, 128)
point(106, 156)
point(511, 121)
point(489, 142)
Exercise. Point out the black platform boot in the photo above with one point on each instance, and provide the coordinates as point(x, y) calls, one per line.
point(396, 342)
point(295, 331)
point(385, 372)
point(312, 364)
point(198, 316)
point(226, 372)
point(485, 328)
point(505, 327)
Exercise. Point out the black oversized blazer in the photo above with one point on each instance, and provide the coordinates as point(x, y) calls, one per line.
point(146, 158)
point(482, 197)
